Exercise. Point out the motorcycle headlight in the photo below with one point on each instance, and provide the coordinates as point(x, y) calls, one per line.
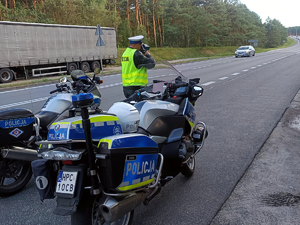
point(62, 154)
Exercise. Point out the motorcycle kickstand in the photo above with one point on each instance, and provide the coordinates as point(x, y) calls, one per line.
point(166, 180)
point(149, 198)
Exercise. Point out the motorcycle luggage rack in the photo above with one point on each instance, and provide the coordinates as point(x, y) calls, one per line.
point(143, 188)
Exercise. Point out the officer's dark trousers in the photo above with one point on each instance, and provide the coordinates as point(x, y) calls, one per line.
point(129, 90)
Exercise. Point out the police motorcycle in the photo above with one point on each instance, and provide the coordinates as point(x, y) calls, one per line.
point(101, 167)
point(20, 129)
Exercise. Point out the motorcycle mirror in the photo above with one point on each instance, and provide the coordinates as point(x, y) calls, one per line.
point(197, 91)
point(97, 70)
point(63, 80)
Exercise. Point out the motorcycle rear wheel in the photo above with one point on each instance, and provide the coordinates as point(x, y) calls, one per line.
point(188, 168)
point(88, 214)
point(13, 176)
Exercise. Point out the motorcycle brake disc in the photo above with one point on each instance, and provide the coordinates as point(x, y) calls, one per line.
point(10, 168)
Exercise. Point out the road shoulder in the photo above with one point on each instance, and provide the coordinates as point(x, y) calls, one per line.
point(269, 191)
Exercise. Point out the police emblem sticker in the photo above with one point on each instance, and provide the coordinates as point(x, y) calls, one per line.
point(117, 130)
point(16, 132)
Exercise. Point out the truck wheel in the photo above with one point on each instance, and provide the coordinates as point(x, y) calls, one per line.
point(85, 67)
point(72, 67)
point(6, 75)
point(95, 65)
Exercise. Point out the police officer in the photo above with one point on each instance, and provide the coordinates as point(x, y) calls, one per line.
point(135, 65)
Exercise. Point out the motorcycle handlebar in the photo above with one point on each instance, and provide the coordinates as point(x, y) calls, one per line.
point(51, 92)
point(174, 85)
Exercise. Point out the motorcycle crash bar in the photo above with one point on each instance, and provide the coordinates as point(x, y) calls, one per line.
point(19, 153)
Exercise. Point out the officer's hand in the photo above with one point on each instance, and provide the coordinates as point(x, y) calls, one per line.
point(147, 52)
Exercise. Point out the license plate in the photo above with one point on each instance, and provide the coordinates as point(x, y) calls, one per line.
point(66, 182)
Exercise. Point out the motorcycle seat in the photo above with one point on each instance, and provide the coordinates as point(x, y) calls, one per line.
point(46, 117)
point(15, 114)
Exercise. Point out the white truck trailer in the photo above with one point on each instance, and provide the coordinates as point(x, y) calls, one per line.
point(35, 49)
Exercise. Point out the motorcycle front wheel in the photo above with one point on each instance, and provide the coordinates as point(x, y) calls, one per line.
point(88, 213)
point(14, 175)
point(188, 168)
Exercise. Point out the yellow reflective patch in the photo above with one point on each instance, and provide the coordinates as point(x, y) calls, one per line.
point(191, 124)
point(105, 140)
point(98, 119)
point(128, 76)
point(60, 123)
point(103, 119)
point(126, 188)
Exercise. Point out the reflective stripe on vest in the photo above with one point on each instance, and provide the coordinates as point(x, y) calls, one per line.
point(131, 76)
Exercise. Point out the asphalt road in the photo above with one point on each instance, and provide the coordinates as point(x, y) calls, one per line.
point(243, 100)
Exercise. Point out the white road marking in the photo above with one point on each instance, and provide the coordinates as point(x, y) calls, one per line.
point(253, 67)
point(234, 74)
point(23, 103)
point(258, 65)
point(24, 89)
point(223, 78)
point(245, 70)
point(208, 83)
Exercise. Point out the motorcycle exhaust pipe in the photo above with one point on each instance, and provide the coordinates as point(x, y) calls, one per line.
point(113, 209)
point(19, 153)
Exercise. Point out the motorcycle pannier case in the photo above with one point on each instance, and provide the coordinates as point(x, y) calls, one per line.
point(15, 125)
point(126, 161)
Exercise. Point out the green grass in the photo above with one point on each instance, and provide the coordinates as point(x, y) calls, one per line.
point(290, 42)
point(184, 53)
point(197, 52)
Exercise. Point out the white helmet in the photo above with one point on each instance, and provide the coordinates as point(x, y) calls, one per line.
point(127, 114)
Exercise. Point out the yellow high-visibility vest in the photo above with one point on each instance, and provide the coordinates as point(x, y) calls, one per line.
point(131, 76)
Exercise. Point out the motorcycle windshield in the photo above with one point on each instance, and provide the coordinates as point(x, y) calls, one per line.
point(168, 74)
point(169, 70)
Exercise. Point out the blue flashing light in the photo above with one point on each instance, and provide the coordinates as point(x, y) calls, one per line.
point(82, 97)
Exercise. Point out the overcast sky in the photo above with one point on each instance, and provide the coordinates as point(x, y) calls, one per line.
point(286, 11)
